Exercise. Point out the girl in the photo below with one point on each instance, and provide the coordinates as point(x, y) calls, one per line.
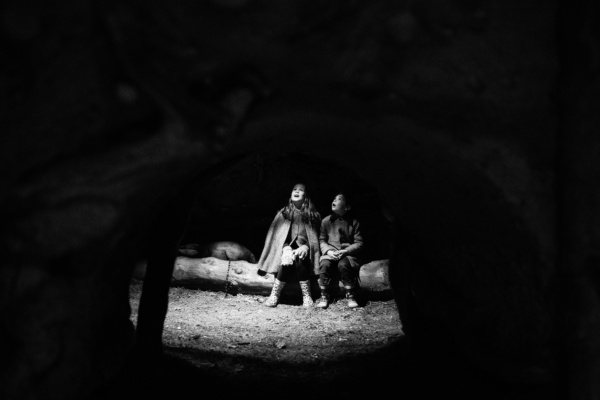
point(292, 246)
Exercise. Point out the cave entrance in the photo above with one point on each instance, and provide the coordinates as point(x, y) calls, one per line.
point(228, 330)
point(473, 241)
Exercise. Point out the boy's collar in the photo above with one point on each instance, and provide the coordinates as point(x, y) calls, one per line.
point(335, 216)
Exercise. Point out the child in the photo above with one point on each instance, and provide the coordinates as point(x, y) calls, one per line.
point(292, 246)
point(341, 243)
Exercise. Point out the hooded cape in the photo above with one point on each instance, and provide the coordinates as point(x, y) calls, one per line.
point(270, 259)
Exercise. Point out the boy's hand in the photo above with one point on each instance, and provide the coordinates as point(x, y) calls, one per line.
point(338, 254)
point(333, 254)
point(341, 254)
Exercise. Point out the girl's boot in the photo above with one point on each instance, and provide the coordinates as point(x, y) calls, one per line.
point(275, 292)
point(306, 299)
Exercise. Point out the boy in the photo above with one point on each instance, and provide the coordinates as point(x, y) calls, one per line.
point(341, 243)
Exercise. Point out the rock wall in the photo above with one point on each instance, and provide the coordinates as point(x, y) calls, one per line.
point(473, 121)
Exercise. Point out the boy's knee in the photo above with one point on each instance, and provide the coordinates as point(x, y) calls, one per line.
point(349, 281)
point(324, 282)
point(344, 265)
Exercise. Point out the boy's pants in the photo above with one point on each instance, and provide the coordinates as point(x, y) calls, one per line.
point(348, 275)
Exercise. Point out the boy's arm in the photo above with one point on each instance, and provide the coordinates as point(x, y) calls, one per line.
point(323, 237)
point(355, 247)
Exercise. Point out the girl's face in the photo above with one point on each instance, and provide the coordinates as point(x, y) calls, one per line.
point(298, 194)
point(339, 205)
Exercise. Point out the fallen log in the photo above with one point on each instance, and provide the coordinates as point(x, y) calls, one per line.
point(241, 277)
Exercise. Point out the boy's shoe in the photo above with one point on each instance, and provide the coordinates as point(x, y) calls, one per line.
point(351, 300)
point(323, 302)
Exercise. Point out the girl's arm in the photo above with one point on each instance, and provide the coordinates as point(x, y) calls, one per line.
point(269, 238)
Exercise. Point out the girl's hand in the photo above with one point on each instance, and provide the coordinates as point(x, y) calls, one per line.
point(301, 252)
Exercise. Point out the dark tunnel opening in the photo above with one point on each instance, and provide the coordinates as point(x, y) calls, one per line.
point(427, 296)
point(237, 204)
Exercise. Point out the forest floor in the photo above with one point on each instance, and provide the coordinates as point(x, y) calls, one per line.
point(219, 345)
point(237, 337)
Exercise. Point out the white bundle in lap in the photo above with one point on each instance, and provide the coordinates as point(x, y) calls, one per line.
point(287, 256)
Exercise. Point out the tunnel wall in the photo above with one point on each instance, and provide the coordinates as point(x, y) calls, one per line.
point(446, 108)
point(578, 197)
point(475, 228)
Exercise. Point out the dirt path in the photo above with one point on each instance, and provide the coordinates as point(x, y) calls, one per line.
point(221, 346)
point(238, 335)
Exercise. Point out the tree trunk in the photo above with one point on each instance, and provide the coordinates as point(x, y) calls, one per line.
point(213, 274)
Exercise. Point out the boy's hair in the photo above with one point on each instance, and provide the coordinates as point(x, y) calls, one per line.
point(347, 198)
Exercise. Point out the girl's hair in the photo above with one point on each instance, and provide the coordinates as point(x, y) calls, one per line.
point(308, 211)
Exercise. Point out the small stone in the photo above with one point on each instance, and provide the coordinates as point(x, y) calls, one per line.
point(238, 368)
point(280, 344)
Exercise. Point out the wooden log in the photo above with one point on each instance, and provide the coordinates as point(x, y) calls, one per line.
point(213, 274)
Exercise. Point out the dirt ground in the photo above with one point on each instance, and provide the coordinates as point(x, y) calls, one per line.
point(227, 336)
point(232, 346)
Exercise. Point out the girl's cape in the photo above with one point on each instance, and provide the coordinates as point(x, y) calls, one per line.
point(270, 259)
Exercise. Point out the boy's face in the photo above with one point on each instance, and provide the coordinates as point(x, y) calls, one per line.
point(339, 205)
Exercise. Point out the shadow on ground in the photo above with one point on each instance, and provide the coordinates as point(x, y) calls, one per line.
point(397, 370)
